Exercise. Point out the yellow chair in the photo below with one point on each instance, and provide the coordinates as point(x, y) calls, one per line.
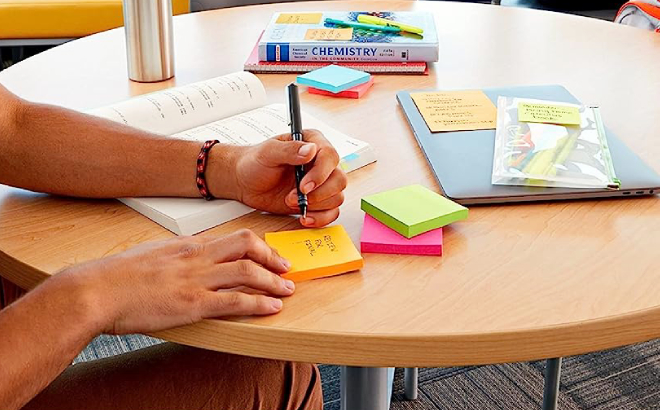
point(49, 22)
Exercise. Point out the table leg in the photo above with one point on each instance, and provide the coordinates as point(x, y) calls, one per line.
point(364, 388)
point(551, 387)
point(390, 385)
point(410, 381)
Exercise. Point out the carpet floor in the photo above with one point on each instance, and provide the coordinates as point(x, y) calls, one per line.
point(627, 378)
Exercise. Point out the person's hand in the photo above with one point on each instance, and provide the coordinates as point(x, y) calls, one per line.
point(161, 285)
point(265, 177)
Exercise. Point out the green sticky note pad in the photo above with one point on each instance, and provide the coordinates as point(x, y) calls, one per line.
point(548, 113)
point(413, 210)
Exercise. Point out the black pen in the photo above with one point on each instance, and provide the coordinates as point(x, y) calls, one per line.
point(297, 135)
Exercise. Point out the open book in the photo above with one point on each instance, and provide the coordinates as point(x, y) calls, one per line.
point(231, 109)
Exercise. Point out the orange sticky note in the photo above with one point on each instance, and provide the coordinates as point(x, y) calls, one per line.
point(316, 253)
point(464, 110)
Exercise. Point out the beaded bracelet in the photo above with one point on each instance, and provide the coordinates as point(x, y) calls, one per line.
point(202, 160)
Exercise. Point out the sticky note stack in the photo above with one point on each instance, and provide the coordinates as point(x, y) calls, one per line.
point(353, 92)
point(337, 81)
point(378, 238)
point(316, 253)
point(407, 220)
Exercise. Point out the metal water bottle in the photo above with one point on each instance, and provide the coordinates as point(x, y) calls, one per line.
point(149, 40)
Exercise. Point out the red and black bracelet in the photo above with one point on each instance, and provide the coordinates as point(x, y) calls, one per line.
point(202, 160)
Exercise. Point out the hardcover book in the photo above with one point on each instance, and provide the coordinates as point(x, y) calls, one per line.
point(295, 37)
point(253, 65)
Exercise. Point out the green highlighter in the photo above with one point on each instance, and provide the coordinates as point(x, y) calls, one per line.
point(365, 18)
point(413, 210)
point(372, 27)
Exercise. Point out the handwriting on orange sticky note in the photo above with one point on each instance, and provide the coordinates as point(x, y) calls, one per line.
point(464, 110)
point(316, 253)
point(299, 18)
point(329, 34)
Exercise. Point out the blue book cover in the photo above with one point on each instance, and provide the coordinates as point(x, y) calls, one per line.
point(295, 36)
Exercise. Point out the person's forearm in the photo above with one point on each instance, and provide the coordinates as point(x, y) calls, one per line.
point(55, 150)
point(41, 334)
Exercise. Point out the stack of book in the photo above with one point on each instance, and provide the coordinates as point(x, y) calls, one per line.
point(302, 42)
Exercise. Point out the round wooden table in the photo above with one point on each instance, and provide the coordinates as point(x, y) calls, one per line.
point(516, 283)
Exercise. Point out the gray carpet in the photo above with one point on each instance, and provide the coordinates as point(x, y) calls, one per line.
point(623, 379)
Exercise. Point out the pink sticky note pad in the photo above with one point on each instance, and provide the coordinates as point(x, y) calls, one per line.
point(353, 92)
point(378, 238)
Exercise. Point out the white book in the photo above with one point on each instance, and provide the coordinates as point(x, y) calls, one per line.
point(231, 109)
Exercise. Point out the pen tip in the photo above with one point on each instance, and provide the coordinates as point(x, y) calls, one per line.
point(304, 213)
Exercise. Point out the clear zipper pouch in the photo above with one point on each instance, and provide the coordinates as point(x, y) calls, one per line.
point(551, 144)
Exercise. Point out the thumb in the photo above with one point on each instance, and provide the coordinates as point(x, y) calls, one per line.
point(274, 152)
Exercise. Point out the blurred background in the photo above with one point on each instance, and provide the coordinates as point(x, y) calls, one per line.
point(29, 27)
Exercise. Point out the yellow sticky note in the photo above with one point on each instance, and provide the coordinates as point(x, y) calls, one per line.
point(456, 110)
point(299, 18)
point(548, 113)
point(329, 34)
point(316, 253)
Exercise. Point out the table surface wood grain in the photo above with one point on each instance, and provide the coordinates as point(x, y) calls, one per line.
point(517, 282)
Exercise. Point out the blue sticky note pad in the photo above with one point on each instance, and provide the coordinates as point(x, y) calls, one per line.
point(334, 78)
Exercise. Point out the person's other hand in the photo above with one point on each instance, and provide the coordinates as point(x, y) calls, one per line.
point(265, 177)
point(181, 281)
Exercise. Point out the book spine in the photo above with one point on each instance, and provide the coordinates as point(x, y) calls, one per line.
point(305, 67)
point(363, 52)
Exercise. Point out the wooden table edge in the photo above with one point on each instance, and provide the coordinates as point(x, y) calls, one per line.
point(19, 273)
point(388, 350)
point(442, 350)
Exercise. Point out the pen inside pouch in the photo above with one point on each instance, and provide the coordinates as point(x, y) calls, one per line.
point(548, 142)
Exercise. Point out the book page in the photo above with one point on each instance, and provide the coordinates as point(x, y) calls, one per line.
point(187, 216)
point(254, 127)
point(178, 109)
